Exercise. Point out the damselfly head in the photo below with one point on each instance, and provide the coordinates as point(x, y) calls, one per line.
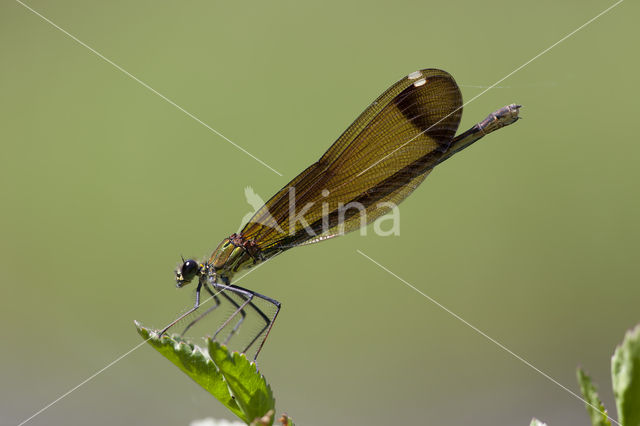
point(186, 272)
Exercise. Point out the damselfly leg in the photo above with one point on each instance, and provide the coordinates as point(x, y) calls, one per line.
point(247, 296)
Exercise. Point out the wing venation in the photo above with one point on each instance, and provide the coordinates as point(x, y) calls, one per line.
point(381, 158)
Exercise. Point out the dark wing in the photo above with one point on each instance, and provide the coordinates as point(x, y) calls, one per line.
point(382, 157)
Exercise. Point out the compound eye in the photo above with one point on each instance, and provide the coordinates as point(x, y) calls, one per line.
point(189, 269)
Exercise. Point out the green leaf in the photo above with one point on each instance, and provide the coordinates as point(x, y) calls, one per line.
point(195, 363)
point(625, 375)
point(536, 422)
point(248, 386)
point(596, 410)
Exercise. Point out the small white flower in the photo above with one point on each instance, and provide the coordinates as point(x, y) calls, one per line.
point(213, 422)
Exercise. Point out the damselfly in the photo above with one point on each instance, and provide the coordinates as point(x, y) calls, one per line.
point(374, 165)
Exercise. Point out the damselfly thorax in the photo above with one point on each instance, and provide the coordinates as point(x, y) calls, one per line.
point(232, 255)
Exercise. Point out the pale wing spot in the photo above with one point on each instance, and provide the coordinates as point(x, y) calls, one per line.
point(419, 83)
point(414, 75)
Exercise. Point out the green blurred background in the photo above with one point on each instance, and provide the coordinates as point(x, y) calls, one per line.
point(531, 235)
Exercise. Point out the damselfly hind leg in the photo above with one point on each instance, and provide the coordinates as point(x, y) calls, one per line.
point(268, 323)
point(248, 298)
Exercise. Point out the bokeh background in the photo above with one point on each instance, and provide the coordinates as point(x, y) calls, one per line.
point(531, 235)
